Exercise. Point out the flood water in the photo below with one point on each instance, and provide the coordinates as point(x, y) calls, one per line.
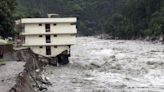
point(110, 66)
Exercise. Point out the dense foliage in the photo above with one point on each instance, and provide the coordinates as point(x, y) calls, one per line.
point(7, 8)
point(137, 19)
point(123, 19)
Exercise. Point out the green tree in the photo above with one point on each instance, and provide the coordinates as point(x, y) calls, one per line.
point(7, 8)
point(124, 19)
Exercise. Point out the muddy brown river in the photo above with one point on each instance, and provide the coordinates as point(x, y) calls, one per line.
point(110, 66)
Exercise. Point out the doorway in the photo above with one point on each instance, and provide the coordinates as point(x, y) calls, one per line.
point(48, 50)
point(47, 27)
point(48, 39)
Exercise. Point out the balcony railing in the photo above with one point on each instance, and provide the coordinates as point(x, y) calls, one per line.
point(48, 41)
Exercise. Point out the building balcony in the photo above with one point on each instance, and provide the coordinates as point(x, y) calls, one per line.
point(45, 33)
point(48, 41)
point(48, 44)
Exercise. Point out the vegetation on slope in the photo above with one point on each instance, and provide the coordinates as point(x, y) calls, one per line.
point(123, 19)
point(7, 8)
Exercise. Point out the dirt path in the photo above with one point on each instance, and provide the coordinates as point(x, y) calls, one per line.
point(8, 74)
point(110, 66)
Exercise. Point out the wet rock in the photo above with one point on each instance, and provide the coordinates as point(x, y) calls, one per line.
point(98, 64)
point(154, 51)
point(150, 63)
point(45, 80)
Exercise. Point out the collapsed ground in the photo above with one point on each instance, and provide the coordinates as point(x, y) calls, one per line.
point(8, 74)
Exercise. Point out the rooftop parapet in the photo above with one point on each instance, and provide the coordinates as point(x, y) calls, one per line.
point(47, 20)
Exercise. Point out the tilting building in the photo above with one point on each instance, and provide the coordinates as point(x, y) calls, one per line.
point(48, 37)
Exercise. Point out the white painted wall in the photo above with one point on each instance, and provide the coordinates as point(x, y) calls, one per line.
point(38, 50)
point(63, 28)
point(63, 39)
point(62, 42)
point(59, 28)
point(34, 28)
point(35, 40)
point(66, 34)
point(54, 51)
point(58, 50)
point(48, 20)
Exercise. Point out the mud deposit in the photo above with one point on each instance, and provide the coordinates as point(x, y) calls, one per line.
point(8, 74)
point(110, 66)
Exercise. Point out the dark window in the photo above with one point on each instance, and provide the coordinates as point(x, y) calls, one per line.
point(48, 39)
point(55, 46)
point(40, 47)
point(55, 35)
point(47, 27)
point(40, 24)
point(22, 28)
point(73, 23)
point(40, 35)
point(72, 34)
point(54, 24)
point(48, 50)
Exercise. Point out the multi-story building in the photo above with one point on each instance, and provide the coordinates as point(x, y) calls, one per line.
point(47, 37)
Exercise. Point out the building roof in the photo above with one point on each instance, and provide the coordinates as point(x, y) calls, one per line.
point(46, 20)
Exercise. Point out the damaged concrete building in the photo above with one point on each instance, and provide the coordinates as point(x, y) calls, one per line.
point(48, 37)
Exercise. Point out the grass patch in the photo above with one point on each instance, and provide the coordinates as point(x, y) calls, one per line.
point(2, 62)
